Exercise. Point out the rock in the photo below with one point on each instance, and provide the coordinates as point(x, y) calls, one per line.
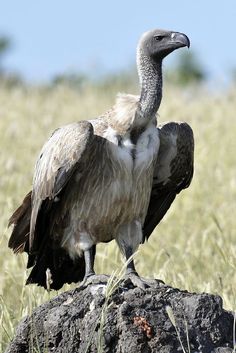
point(119, 318)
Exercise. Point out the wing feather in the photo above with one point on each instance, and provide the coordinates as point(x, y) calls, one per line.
point(173, 171)
point(59, 158)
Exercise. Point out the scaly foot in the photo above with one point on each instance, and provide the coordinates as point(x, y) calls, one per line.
point(133, 277)
point(92, 278)
point(140, 282)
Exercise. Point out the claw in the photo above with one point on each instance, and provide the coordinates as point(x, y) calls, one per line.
point(92, 278)
point(87, 280)
point(134, 278)
point(140, 282)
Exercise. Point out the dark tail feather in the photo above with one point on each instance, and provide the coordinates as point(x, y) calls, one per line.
point(47, 256)
point(49, 259)
point(21, 221)
point(62, 268)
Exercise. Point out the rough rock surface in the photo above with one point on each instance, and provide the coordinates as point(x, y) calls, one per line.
point(125, 319)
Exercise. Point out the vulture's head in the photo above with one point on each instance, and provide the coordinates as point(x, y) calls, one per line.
point(159, 43)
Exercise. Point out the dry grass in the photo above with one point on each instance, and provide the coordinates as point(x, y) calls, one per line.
point(194, 247)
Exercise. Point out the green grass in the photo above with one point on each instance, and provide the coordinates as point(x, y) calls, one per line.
point(194, 247)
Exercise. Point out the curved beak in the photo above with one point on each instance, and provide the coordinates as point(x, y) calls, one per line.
point(180, 39)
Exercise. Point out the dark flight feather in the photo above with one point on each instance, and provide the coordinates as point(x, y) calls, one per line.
point(173, 171)
point(21, 221)
point(61, 156)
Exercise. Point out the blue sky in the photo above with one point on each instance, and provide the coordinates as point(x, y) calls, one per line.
point(99, 36)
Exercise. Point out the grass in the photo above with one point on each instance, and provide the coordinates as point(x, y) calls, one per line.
point(194, 247)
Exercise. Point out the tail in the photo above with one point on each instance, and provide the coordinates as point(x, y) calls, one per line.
point(52, 266)
point(19, 239)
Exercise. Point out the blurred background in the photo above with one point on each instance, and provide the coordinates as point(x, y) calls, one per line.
point(47, 42)
point(63, 61)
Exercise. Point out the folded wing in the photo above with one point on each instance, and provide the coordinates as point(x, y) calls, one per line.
point(65, 153)
point(61, 155)
point(173, 171)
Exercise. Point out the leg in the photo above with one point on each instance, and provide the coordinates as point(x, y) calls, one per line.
point(89, 257)
point(130, 266)
point(131, 273)
point(129, 237)
point(90, 277)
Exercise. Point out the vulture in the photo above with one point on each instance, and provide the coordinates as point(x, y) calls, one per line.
point(113, 177)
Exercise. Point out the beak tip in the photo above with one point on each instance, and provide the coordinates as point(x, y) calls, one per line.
point(188, 45)
point(182, 39)
point(187, 41)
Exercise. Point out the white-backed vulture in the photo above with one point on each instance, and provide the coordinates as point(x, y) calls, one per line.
point(114, 177)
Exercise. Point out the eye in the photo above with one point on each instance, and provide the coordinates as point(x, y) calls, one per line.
point(159, 38)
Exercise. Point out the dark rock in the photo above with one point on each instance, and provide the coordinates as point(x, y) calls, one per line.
point(122, 319)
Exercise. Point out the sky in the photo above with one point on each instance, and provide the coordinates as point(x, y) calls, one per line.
point(52, 36)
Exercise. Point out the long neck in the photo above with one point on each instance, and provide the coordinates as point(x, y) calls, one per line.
point(150, 76)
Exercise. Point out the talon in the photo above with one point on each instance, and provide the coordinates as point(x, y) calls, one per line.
point(134, 278)
point(153, 282)
point(87, 280)
point(92, 278)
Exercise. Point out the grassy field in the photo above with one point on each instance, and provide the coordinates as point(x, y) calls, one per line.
point(194, 247)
